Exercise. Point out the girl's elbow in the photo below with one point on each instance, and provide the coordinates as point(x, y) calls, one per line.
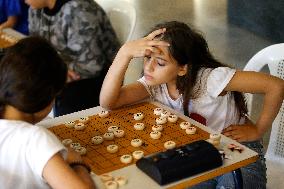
point(106, 105)
point(282, 89)
point(279, 88)
point(108, 102)
point(103, 102)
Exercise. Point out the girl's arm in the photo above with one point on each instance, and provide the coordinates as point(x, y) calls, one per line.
point(113, 94)
point(256, 82)
point(59, 174)
point(10, 22)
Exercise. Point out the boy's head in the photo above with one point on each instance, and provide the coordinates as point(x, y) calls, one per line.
point(31, 75)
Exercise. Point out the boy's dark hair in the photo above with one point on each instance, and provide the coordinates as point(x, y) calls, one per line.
point(188, 47)
point(31, 74)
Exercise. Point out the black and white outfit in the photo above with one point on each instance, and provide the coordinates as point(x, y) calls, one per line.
point(81, 32)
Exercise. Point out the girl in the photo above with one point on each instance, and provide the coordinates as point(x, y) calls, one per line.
point(180, 72)
point(31, 75)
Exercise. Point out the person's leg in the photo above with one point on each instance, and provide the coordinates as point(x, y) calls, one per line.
point(225, 181)
point(238, 178)
point(210, 184)
point(254, 175)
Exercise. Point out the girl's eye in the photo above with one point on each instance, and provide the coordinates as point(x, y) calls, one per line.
point(161, 62)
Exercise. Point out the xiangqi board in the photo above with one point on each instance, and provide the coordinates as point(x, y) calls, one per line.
point(97, 156)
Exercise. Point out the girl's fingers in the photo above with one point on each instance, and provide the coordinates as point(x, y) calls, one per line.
point(235, 137)
point(234, 134)
point(149, 50)
point(144, 47)
point(230, 128)
point(157, 51)
point(155, 33)
point(157, 43)
point(230, 133)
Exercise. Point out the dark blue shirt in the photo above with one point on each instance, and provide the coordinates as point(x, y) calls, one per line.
point(15, 8)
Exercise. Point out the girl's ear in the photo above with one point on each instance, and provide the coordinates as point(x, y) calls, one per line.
point(182, 70)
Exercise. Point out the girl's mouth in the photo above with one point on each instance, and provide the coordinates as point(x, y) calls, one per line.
point(148, 77)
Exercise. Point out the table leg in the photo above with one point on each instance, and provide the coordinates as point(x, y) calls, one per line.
point(238, 178)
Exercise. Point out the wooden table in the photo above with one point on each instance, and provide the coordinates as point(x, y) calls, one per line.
point(9, 37)
point(137, 179)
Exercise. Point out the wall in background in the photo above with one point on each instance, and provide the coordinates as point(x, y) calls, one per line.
point(263, 17)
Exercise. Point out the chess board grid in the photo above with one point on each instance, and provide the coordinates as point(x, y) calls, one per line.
point(102, 161)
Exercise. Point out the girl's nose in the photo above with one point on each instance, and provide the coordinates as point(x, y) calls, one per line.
point(149, 65)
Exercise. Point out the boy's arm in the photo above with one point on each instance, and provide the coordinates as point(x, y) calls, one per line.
point(10, 22)
point(256, 82)
point(59, 174)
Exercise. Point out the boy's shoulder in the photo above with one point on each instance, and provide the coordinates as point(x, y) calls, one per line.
point(21, 127)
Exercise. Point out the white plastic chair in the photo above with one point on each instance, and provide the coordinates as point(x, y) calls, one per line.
point(273, 57)
point(122, 15)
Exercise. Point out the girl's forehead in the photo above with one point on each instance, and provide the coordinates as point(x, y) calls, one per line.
point(162, 52)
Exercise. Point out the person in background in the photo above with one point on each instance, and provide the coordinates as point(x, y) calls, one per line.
point(180, 72)
point(31, 75)
point(82, 33)
point(14, 14)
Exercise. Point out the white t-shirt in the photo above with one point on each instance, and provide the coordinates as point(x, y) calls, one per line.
point(219, 111)
point(24, 151)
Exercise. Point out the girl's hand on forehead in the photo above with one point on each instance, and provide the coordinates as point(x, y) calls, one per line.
point(145, 46)
point(155, 33)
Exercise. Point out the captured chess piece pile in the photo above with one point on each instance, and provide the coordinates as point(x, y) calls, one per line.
point(111, 182)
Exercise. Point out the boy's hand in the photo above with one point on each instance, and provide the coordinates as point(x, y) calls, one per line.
point(72, 76)
point(73, 156)
point(242, 133)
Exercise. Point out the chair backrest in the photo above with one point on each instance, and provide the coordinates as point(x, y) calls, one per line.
point(273, 57)
point(122, 15)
